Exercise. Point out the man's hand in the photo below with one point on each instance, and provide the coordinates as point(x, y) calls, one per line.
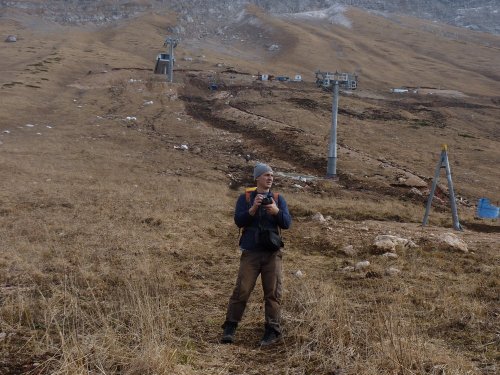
point(256, 204)
point(272, 209)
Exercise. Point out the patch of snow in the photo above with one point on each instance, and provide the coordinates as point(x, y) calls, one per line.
point(131, 118)
point(334, 14)
point(182, 147)
point(294, 176)
point(241, 16)
point(254, 21)
point(29, 125)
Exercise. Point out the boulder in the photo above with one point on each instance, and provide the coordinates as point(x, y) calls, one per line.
point(392, 271)
point(362, 265)
point(348, 250)
point(318, 216)
point(450, 241)
point(414, 181)
point(388, 243)
point(11, 39)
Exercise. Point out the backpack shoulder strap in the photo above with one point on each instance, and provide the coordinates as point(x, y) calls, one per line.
point(248, 193)
point(276, 196)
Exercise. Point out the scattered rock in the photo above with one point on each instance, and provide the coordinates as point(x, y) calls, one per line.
point(11, 39)
point(415, 191)
point(364, 229)
point(318, 216)
point(273, 47)
point(443, 187)
point(348, 269)
point(348, 250)
point(450, 241)
point(3, 335)
point(390, 255)
point(299, 274)
point(196, 150)
point(387, 242)
point(392, 271)
point(362, 265)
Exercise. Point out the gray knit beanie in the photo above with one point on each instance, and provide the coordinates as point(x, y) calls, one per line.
point(260, 168)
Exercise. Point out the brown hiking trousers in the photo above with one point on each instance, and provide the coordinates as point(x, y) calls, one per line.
point(269, 266)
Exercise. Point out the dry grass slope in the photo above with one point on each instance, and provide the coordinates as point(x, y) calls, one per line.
point(118, 251)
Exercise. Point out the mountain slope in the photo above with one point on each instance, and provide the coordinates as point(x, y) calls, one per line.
point(118, 246)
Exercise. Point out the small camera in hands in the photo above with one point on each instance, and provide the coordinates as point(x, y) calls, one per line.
point(266, 201)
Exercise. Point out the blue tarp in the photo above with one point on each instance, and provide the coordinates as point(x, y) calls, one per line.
point(485, 210)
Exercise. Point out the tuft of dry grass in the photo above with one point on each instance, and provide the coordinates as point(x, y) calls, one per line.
point(334, 330)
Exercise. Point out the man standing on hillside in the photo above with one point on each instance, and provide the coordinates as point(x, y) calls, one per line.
point(257, 212)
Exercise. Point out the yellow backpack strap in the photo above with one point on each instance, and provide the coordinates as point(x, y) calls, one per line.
point(248, 192)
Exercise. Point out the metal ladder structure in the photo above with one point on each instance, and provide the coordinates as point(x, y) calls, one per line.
point(443, 163)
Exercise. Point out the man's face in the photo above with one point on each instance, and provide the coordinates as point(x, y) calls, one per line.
point(265, 180)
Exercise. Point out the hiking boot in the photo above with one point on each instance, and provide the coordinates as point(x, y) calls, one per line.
point(271, 336)
point(229, 331)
